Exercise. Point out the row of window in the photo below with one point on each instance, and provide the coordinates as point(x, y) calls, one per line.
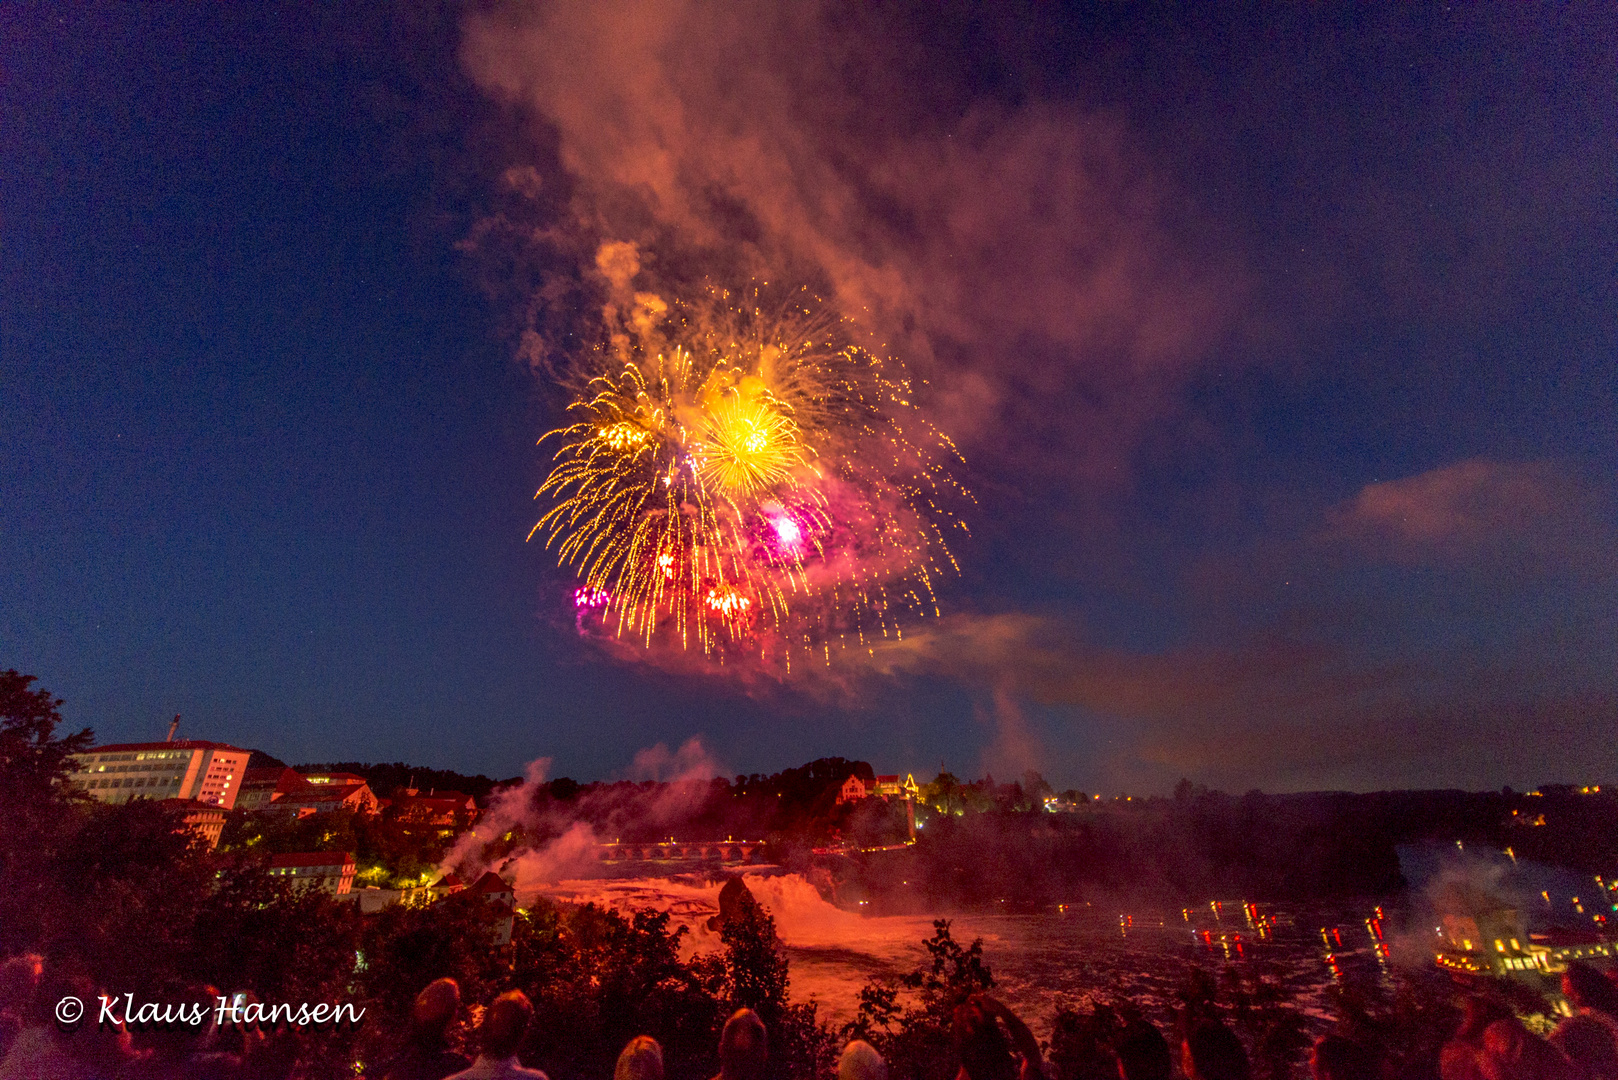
point(147, 755)
point(295, 871)
point(136, 768)
point(130, 782)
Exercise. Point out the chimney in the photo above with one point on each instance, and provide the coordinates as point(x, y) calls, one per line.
point(173, 728)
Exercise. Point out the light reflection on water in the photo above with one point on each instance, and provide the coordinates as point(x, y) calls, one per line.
point(1041, 961)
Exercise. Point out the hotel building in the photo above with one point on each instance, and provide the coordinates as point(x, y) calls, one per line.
point(207, 772)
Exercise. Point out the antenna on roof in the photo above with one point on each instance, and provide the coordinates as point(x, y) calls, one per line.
point(173, 728)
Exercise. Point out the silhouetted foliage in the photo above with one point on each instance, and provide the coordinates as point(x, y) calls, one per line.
point(34, 803)
point(914, 1035)
point(386, 778)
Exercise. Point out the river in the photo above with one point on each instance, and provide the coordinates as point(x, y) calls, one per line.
point(1065, 956)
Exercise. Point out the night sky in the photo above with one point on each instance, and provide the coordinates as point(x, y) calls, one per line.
point(1281, 346)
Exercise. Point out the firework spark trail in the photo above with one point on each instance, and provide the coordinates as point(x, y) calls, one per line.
point(741, 479)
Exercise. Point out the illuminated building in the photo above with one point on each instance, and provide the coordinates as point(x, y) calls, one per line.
point(207, 772)
point(262, 787)
point(324, 793)
point(206, 821)
point(892, 786)
point(287, 790)
point(853, 790)
point(372, 899)
point(493, 888)
point(332, 871)
point(450, 809)
point(1494, 941)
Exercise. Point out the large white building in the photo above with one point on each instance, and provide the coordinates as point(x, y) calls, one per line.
point(208, 772)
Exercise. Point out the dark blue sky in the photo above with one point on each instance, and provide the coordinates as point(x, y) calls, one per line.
point(1315, 489)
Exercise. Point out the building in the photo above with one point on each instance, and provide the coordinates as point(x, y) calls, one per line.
point(263, 787)
point(446, 809)
point(207, 772)
point(302, 794)
point(493, 888)
point(372, 899)
point(853, 790)
point(324, 793)
point(206, 821)
point(332, 871)
point(1484, 929)
point(448, 885)
point(1491, 939)
point(892, 786)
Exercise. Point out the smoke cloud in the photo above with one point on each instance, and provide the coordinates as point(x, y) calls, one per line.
point(558, 838)
point(1010, 254)
point(1031, 260)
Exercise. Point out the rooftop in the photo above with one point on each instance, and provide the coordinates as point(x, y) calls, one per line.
point(313, 858)
point(177, 744)
point(491, 882)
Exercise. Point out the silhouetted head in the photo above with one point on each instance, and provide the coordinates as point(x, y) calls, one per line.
point(642, 1059)
point(1479, 1011)
point(1143, 1053)
point(1339, 1058)
point(19, 980)
point(860, 1061)
point(505, 1024)
point(1211, 1051)
point(1512, 1052)
point(1507, 1049)
point(1587, 988)
point(744, 1047)
point(435, 1008)
point(1588, 1043)
point(982, 1047)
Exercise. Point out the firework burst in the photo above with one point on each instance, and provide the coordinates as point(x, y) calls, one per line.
point(745, 480)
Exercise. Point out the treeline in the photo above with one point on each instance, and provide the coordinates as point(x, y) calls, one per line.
point(984, 843)
point(1269, 847)
point(385, 779)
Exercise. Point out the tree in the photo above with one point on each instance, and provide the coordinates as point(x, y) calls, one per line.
point(34, 764)
point(1036, 787)
point(36, 805)
point(754, 965)
point(917, 1043)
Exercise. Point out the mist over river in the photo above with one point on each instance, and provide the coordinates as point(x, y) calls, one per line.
point(1065, 956)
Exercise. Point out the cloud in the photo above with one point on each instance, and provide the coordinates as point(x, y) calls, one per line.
point(1533, 515)
point(1011, 255)
point(1349, 677)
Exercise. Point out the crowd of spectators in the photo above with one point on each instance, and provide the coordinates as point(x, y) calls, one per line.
point(990, 1042)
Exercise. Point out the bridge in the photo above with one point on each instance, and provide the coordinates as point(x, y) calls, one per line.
point(722, 851)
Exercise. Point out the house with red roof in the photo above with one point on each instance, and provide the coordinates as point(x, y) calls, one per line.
point(263, 787)
point(444, 809)
point(494, 889)
point(853, 790)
